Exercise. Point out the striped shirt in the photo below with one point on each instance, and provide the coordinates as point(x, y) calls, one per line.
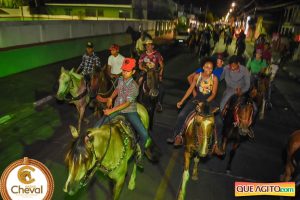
point(89, 63)
point(127, 92)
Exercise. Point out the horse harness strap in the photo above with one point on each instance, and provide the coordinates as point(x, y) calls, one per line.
point(83, 94)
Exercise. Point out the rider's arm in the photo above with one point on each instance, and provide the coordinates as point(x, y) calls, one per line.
point(133, 93)
point(247, 82)
point(214, 90)
point(81, 65)
point(161, 63)
point(114, 94)
point(97, 62)
point(190, 90)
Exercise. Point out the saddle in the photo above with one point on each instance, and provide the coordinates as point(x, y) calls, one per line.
point(121, 122)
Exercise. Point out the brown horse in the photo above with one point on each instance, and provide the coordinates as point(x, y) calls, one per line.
point(149, 92)
point(199, 137)
point(292, 147)
point(240, 110)
point(74, 84)
point(259, 91)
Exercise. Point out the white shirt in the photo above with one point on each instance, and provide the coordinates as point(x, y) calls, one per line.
point(115, 63)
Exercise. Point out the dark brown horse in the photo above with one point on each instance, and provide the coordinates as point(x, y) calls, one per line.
point(199, 137)
point(292, 147)
point(259, 91)
point(240, 111)
point(149, 92)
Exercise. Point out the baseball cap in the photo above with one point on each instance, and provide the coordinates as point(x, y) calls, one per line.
point(90, 45)
point(114, 47)
point(128, 64)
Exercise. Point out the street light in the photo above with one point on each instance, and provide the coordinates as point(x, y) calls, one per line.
point(233, 4)
point(230, 10)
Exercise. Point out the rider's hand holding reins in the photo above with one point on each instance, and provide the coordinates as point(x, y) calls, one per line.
point(109, 102)
point(179, 104)
point(238, 91)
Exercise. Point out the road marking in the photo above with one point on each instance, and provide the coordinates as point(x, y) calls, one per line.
point(161, 191)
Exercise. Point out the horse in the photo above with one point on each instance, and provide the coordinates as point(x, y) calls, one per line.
point(107, 149)
point(149, 92)
point(72, 83)
point(239, 110)
point(292, 149)
point(199, 134)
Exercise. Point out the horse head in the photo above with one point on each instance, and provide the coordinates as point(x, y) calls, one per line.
point(152, 82)
point(79, 160)
point(201, 125)
point(65, 82)
point(243, 112)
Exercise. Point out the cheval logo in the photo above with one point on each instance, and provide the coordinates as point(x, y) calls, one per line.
point(26, 179)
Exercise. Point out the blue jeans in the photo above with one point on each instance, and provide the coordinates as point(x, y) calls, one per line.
point(134, 120)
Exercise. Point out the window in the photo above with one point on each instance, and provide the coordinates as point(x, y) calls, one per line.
point(68, 11)
point(100, 12)
point(90, 12)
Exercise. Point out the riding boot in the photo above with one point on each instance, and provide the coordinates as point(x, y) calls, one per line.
point(148, 151)
point(139, 157)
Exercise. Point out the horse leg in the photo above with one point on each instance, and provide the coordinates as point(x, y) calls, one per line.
point(185, 175)
point(195, 169)
point(81, 113)
point(119, 182)
point(131, 184)
point(289, 167)
point(262, 109)
point(232, 154)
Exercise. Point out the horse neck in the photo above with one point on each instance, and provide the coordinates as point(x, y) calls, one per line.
point(78, 86)
point(152, 79)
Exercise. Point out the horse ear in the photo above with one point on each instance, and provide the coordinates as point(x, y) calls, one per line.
point(216, 109)
point(62, 69)
point(74, 132)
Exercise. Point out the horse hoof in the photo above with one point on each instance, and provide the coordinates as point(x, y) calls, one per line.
point(194, 178)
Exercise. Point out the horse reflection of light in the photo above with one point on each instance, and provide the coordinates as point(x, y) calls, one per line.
point(199, 136)
point(107, 149)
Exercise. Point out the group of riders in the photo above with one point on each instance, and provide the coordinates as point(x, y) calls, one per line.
point(130, 73)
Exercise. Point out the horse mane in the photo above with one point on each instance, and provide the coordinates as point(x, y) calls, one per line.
point(78, 153)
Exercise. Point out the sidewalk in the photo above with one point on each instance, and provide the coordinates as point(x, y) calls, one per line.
point(293, 70)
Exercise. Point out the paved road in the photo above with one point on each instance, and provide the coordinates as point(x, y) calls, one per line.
point(42, 133)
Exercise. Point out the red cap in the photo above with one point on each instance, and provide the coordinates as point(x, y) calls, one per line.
point(220, 56)
point(114, 47)
point(128, 64)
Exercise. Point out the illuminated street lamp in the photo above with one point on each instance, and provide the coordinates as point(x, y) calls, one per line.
point(233, 4)
point(230, 10)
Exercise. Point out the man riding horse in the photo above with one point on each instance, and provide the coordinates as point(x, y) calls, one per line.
point(126, 93)
point(115, 61)
point(237, 80)
point(152, 59)
point(90, 62)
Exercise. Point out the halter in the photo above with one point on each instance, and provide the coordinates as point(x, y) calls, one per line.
point(70, 86)
point(98, 163)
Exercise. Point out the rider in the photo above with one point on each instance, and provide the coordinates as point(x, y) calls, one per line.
point(152, 59)
point(125, 104)
point(90, 62)
point(256, 65)
point(207, 85)
point(139, 47)
point(237, 79)
point(115, 61)
point(217, 71)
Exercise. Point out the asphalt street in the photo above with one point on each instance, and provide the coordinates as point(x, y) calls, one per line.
point(42, 133)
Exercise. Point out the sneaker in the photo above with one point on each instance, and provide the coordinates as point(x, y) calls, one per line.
point(170, 140)
point(159, 107)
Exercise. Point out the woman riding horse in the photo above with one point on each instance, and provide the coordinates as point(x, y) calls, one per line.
point(206, 85)
point(200, 139)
